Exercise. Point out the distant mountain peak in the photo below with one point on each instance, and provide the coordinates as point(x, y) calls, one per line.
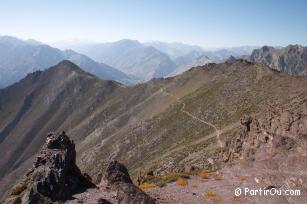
point(131, 57)
point(291, 59)
point(231, 60)
point(68, 64)
point(33, 42)
point(66, 68)
point(128, 42)
point(11, 40)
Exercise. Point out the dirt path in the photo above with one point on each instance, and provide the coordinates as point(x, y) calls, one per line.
point(217, 131)
point(195, 142)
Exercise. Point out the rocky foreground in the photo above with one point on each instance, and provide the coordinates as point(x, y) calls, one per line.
point(55, 178)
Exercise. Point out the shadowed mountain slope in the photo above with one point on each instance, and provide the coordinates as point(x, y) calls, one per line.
point(44, 101)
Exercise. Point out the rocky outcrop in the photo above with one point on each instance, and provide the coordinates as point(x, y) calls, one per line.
point(118, 179)
point(280, 131)
point(54, 175)
point(270, 152)
point(291, 59)
point(116, 173)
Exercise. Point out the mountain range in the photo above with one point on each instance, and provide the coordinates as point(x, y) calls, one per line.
point(174, 50)
point(131, 57)
point(18, 58)
point(291, 59)
point(153, 59)
point(134, 62)
point(161, 125)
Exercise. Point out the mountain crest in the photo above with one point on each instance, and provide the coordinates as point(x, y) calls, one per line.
point(291, 59)
point(67, 64)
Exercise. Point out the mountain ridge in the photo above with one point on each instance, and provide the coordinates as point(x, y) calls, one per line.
point(20, 57)
point(291, 59)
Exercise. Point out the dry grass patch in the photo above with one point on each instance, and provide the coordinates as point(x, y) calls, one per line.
point(203, 174)
point(163, 180)
point(211, 195)
point(242, 161)
point(144, 186)
point(181, 181)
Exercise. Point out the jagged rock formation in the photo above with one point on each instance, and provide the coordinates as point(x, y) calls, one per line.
point(117, 172)
point(270, 152)
point(118, 178)
point(54, 175)
point(280, 131)
point(291, 59)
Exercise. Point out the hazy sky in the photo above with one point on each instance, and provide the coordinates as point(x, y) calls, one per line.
point(215, 23)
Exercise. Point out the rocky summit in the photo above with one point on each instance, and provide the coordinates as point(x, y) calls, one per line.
point(55, 178)
point(54, 175)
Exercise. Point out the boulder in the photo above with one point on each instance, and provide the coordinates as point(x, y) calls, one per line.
point(118, 179)
point(128, 193)
point(54, 175)
point(116, 172)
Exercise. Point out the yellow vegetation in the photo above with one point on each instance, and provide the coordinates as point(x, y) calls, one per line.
point(181, 182)
point(203, 175)
point(212, 196)
point(168, 178)
point(146, 186)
